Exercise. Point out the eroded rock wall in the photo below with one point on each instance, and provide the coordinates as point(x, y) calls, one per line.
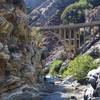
point(18, 72)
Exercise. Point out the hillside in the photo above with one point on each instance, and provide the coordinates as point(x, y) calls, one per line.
point(55, 12)
point(31, 4)
point(48, 10)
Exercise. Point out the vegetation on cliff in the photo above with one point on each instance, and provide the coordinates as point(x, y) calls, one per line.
point(75, 13)
point(80, 66)
point(55, 67)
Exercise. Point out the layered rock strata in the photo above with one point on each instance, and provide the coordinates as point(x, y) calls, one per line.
point(17, 72)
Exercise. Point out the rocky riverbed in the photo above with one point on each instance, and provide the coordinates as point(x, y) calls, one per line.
point(64, 91)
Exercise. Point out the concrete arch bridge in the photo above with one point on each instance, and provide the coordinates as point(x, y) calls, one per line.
point(74, 36)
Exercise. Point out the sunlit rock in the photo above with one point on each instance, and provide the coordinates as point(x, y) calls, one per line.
point(89, 93)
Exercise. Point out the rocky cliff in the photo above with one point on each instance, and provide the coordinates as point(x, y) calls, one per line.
point(18, 72)
point(48, 12)
point(93, 14)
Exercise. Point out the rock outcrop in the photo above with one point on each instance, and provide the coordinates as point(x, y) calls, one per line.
point(93, 15)
point(94, 80)
point(17, 72)
point(94, 75)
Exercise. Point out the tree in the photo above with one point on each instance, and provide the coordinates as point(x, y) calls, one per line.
point(74, 13)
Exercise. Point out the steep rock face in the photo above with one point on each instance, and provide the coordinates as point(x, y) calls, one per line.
point(32, 4)
point(47, 11)
point(17, 70)
point(94, 14)
point(94, 75)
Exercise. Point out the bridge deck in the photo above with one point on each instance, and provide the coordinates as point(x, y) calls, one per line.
point(79, 25)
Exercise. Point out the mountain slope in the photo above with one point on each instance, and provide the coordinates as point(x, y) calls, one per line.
point(33, 3)
point(47, 10)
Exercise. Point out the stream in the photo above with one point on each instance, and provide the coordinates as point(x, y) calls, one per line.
point(61, 91)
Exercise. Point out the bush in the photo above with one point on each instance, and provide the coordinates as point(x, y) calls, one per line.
point(55, 67)
point(80, 66)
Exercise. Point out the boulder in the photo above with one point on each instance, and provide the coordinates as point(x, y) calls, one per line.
point(95, 52)
point(98, 88)
point(88, 93)
point(45, 53)
point(93, 77)
point(94, 80)
point(92, 73)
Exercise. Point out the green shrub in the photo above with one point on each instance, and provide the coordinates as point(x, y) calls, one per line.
point(55, 67)
point(80, 66)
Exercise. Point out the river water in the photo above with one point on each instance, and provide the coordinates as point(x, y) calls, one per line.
point(64, 92)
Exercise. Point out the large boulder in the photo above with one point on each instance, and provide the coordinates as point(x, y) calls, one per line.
point(89, 93)
point(94, 80)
